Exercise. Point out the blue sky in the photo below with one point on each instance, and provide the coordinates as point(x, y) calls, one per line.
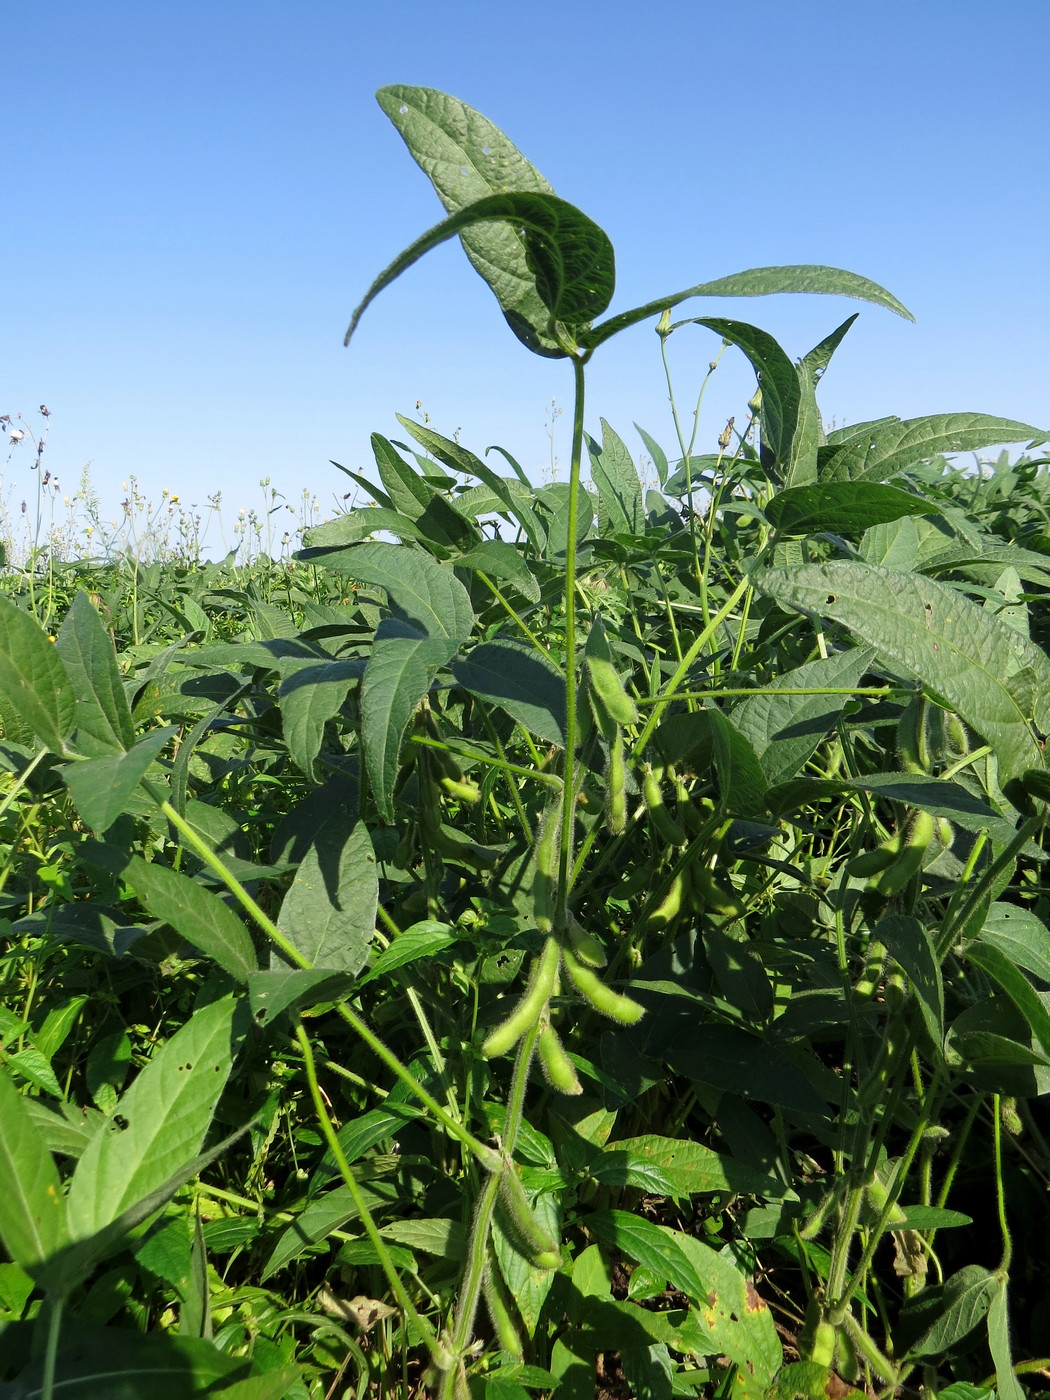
point(197, 195)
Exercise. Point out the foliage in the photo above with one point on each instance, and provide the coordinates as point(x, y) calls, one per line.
point(542, 940)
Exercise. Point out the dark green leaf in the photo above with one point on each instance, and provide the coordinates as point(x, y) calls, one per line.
point(467, 158)
point(960, 1305)
point(521, 681)
point(417, 941)
point(569, 257)
point(841, 507)
point(329, 913)
point(757, 282)
point(503, 561)
point(103, 719)
point(876, 451)
point(1021, 936)
point(426, 593)
point(1016, 986)
point(33, 679)
point(161, 1124)
point(909, 941)
point(785, 730)
point(194, 912)
point(102, 787)
point(964, 655)
point(270, 993)
point(32, 1204)
point(621, 510)
point(678, 1167)
point(399, 673)
point(312, 693)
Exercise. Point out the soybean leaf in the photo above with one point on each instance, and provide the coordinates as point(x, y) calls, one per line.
point(312, 693)
point(161, 1124)
point(657, 453)
point(841, 507)
point(741, 782)
point(274, 991)
point(785, 730)
point(103, 719)
point(352, 528)
point(435, 1235)
point(999, 1345)
point(326, 1213)
point(677, 1167)
point(1021, 936)
point(426, 593)
point(777, 378)
point(729, 1059)
point(514, 496)
point(102, 787)
point(878, 450)
point(757, 282)
point(570, 258)
point(467, 158)
point(957, 1307)
point(528, 1286)
point(1016, 986)
point(621, 509)
point(196, 913)
point(521, 681)
point(400, 670)
point(33, 679)
point(739, 970)
point(32, 1204)
point(329, 913)
point(965, 656)
point(503, 561)
point(418, 941)
point(122, 1364)
point(408, 492)
point(818, 359)
point(909, 941)
point(730, 1317)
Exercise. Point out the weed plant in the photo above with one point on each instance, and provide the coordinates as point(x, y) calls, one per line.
point(543, 940)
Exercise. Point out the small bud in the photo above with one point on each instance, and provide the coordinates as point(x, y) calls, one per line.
point(754, 403)
point(725, 437)
point(712, 364)
point(45, 410)
point(663, 326)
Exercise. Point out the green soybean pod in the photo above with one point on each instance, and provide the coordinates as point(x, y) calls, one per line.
point(609, 699)
point(617, 784)
point(665, 824)
point(874, 862)
point(876, 1199)
point(463, 789)
point(525, 1231)
point(602, 998)
point(545, 878)
point(584, 944)
point(670, 906)
point(718, 895)
point(558, 1070)
point(918, 835)
point(529, 1009)
point(493, 1288)
point(874, 962)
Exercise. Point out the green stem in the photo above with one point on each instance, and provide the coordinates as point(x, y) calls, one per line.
point(1000, 1198)
point(421, 1324)
point(477, 1254)
point(572, 530)
point(54, 1327)
point(484, 1154)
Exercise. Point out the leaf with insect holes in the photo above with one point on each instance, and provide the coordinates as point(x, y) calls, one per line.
point(160, 1123)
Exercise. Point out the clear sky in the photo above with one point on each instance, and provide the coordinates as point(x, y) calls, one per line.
point(197, 194)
